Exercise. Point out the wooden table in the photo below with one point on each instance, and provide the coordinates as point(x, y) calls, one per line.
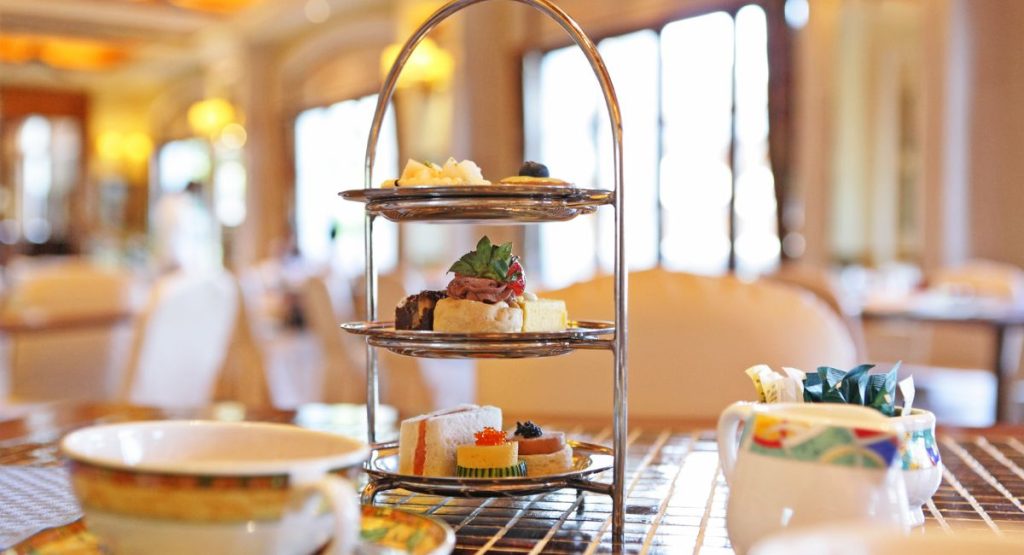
point(1000, 317)
point(676, 494)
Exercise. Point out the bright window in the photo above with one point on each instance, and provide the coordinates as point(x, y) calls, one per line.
point(182, 161)
point(48, 154)
point(695, 128)
point(330, 150)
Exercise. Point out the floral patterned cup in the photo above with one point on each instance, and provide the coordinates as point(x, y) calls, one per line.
point(215, 487)
point(804, 464)
point(922, 465)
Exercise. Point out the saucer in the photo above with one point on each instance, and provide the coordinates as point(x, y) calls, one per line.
point(382, 530)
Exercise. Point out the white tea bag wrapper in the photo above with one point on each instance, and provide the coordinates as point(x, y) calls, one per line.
point(908, 391)
point(796, 377)
point(771, 382)
point(795, 373)
point(784, 390)
point(755, 373)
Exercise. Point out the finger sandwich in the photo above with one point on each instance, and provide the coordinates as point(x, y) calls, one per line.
point(427, 443)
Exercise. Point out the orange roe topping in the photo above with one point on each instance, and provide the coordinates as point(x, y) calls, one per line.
point(490, 436)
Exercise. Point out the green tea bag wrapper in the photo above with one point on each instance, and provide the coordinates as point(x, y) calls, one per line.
point(881, 394)
point(832, 385)
point(855, 384)
point(812, 388)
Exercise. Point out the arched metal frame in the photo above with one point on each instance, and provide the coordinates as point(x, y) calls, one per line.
point(550, 9)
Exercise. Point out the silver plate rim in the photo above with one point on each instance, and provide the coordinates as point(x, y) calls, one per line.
point(470, 191)
point(384, 330)
point(601, 460)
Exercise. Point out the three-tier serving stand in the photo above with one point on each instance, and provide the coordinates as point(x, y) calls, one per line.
point(497, 204)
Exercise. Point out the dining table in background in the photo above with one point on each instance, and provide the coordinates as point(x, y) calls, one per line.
point(676, 494)
point(1002, 317)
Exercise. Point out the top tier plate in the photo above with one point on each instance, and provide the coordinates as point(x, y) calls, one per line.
point(480, 203)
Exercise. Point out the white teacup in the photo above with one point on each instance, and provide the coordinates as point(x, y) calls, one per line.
point(215, 487)
point(802, 464)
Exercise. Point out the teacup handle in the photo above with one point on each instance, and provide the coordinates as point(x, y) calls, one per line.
point(344, 503)
point(728, 426)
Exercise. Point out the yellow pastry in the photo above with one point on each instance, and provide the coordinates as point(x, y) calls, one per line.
point(544, 315)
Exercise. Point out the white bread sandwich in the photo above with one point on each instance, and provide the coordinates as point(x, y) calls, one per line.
point(427, 443)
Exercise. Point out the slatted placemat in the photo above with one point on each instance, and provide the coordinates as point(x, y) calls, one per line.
point(676, 501)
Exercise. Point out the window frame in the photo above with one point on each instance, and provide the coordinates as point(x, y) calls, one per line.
point(781, 126)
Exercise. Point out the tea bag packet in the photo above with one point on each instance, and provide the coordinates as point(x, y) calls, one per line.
point(908, 391)
point(881, 393)
point(844, 387)
point(784, 389)
point(757, 373)
point(774, 388)
point(812, 388)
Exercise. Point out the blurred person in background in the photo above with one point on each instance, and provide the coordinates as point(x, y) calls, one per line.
point(185, 232)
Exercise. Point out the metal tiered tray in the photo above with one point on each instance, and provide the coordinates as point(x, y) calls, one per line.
point(507, 204)
point(475, 203)
point(588, 459)
point(432, 344)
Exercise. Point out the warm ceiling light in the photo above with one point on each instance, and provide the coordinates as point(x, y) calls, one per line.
point(80, 54)
point(17, 49)
point(208, 117)
point(428, 65)
point(61, 52)
point(216, 6)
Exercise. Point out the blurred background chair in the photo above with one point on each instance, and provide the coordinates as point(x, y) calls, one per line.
point(341, 372)
point(691, 338)
point(74, 344)
point(181, 340)
point(827, 288)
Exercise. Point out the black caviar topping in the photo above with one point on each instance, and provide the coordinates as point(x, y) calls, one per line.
point(534, 169)
point(528, 430)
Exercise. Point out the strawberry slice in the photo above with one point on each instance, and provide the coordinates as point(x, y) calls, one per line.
point(516, 277)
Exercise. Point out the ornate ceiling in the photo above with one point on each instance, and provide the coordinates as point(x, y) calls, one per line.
point(98, 35)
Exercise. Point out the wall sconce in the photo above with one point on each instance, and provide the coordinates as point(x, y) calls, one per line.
point(115, 147)
point(208, 117)
point(429, 65)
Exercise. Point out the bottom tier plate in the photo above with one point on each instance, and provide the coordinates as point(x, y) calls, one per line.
point(588, 459)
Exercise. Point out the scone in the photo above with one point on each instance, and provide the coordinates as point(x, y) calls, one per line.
point(464, 316)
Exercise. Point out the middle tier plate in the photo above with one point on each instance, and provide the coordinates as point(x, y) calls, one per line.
point(432, 344)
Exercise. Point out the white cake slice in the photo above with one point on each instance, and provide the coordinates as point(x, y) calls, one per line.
point(427, 443)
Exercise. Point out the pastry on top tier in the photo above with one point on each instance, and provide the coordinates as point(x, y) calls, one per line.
point(533, 173)
point(416, 174)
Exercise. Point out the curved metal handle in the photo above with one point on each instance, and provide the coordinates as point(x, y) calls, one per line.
point(544, 6)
